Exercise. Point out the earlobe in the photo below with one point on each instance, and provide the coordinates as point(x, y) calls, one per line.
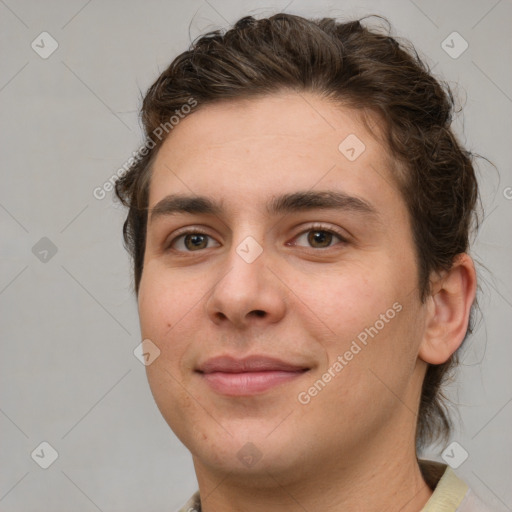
point(448, 309)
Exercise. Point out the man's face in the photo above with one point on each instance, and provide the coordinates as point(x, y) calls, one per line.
point(330, 291)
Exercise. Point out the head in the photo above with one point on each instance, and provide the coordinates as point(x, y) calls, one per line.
point(265, 110)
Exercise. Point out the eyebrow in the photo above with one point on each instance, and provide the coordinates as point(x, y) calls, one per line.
point(286, 203)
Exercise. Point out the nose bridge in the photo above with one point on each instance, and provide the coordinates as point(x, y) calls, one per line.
point(250, 250)
point(246, 262)
point(250, 243)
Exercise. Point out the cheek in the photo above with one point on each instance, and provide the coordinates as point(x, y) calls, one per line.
point(161, 307)
point(347, 302)
point(150, 306)
point(369, 320)
point(162, 303)
point(161, 310)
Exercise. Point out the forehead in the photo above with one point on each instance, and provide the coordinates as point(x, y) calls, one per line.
point(273, 144)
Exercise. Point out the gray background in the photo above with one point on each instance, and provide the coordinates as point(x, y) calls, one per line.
point(69, 322)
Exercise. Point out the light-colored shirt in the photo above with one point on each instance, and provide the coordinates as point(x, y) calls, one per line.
point(450, 493)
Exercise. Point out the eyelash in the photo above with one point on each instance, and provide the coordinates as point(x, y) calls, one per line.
point(315, 227)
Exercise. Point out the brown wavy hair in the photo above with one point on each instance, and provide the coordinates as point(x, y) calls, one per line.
point(354, 65)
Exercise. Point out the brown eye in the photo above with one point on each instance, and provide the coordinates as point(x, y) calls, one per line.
point(319, 238)
point(195, 241)
point(192, 241)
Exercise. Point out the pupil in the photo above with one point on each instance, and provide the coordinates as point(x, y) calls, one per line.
point(321, 238)
point(195, 241)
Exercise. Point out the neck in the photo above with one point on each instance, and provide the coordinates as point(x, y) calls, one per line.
point(373, 481)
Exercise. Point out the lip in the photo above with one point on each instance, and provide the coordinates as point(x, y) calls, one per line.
point(248, 376)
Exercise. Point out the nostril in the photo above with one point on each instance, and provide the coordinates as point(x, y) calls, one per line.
point(259, 312)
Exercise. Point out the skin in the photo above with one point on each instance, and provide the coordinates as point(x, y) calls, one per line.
point(352, 447)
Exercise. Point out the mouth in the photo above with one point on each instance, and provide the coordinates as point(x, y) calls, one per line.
point(252, 375)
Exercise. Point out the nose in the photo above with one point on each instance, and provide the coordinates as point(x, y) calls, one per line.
point(247, 292)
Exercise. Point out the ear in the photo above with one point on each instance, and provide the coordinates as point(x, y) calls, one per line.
point(448, 307)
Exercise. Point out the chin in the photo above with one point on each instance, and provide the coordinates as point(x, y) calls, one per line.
point(249, 464)
point(253, 453)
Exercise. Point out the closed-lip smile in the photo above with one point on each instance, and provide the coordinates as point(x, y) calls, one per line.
point(250, 375)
